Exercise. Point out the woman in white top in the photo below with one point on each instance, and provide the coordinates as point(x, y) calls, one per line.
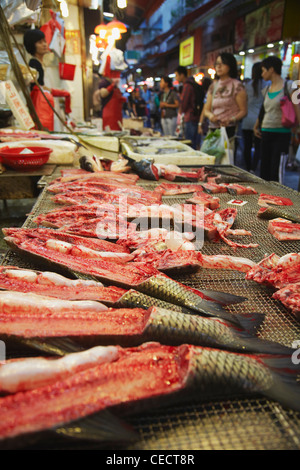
point(275, 138)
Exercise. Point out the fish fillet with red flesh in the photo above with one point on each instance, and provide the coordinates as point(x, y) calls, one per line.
point(164, 374)
point(102, 186)
point(265, 199)
point(34, 316)
point(201, 198)
point(73, 174)
point(55, 285)
point(47, 244)
point(284, 230)
point(172, 189)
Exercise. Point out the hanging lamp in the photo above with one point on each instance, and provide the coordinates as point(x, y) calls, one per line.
point(115, 24)
point(101, 30)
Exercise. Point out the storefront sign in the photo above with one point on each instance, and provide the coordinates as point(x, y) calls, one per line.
point(72, 42)
point(260, 27)
point(17, 106)
point(186, 52)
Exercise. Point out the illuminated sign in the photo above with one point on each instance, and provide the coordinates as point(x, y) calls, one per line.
point(186, 52)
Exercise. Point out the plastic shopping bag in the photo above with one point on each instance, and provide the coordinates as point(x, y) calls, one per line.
point(216, 143)
point(57, 43)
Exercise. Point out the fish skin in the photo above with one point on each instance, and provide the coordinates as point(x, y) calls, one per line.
point(272, 212)
point(151, 375)
point(244, 373)
point(171, 291)
point(133, 298)
point(174, 328)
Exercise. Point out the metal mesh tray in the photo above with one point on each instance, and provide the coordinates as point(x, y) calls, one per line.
point(240, 423)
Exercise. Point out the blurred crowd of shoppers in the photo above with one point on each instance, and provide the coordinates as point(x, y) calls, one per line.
point(190, 111)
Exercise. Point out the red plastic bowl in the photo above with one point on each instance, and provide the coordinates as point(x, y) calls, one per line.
point(13, 158)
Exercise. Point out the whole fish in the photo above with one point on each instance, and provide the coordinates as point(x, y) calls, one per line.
point(151, 375)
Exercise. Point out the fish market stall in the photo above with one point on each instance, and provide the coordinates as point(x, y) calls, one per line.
point(163, 151)
point(211, 323)
point(17, 185)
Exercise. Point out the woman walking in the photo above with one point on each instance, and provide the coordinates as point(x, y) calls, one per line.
point(226, 102)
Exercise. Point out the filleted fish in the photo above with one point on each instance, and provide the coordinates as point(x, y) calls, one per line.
point(151, 375)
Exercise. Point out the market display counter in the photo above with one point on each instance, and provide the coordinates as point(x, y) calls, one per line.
point(239, 423)
point(22, 184)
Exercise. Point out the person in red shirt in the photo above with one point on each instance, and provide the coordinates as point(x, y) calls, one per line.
point(187, 105)
point(36, 45)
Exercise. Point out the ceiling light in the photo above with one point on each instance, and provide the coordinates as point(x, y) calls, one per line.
point(117, 24)
point(242, 53)
point(101, 29)
point(251, 51)
point(270, 45)
point(121, 3)
point(64, 9)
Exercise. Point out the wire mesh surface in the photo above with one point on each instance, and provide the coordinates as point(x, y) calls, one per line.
point(242, 423)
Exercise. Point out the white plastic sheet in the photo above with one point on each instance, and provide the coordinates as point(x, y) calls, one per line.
point(17, 11)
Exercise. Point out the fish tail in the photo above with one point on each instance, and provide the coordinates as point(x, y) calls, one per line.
point(100, 427)
point(174, 292)
point(53, 346)
point(223, 297)
point(251, 322)
point(214, 309)
point(286, 386)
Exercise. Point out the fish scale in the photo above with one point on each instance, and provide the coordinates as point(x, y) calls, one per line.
point(171, 291)
point(212, 367)
point(146, 377)
point(275, 212)
point(134, 298)
point(184, 328)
